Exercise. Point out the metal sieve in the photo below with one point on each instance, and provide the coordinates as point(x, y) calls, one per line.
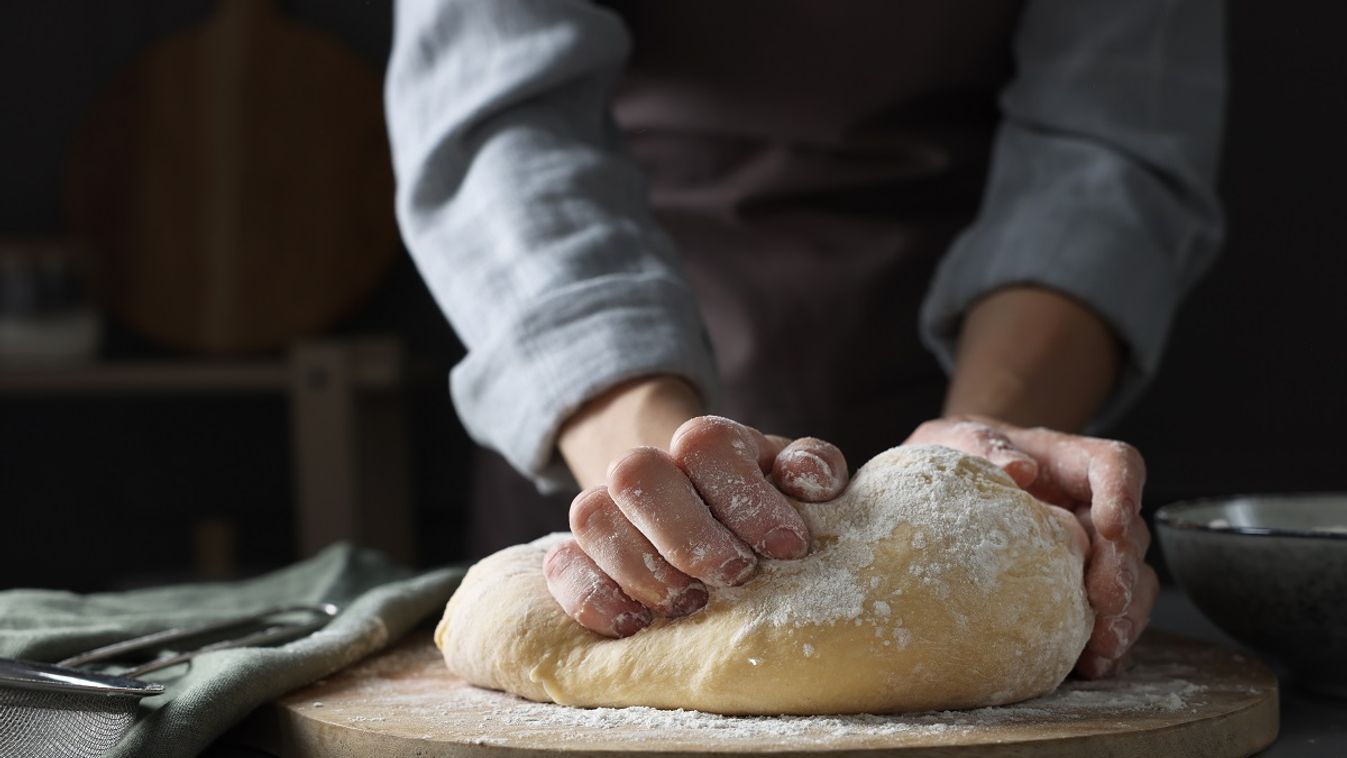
point(61, 711)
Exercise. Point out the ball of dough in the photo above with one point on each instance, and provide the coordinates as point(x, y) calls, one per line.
point(933, 583)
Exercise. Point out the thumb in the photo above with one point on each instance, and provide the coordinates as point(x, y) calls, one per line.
point(977, 438)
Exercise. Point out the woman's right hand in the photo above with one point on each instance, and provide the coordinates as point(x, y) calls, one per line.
point(670, 521)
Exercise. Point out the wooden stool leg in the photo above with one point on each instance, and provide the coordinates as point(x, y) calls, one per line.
point(384, 488)
point(349, 433)
point(322, 428)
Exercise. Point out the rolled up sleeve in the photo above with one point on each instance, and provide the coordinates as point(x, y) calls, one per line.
point(1102, 184)
point(527, 221)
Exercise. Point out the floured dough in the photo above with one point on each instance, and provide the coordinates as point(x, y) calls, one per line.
point(934, 582)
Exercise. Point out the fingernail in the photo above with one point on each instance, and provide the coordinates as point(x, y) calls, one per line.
point(1018, 466)
point(629, 623)
point(690, 600)
point(783, 542)
point(737, 570)
point(1122, 630)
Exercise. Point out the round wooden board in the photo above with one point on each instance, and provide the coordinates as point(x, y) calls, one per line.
point(1181, 697)
point(235, 185)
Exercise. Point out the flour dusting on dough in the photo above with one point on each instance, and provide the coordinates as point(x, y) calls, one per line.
point(938, 494)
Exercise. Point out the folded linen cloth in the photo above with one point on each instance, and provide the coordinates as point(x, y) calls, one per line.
point(379, 602)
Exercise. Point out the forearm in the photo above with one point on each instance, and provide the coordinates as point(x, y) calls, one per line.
point(529, 224)
point(1033, 357)
point(644, 411)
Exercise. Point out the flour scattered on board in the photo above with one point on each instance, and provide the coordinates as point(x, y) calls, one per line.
point(1139, 692)
point(407, 692)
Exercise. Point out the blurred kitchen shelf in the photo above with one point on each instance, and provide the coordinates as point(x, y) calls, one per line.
point(370, 364)
point(147, 377)
point(348, 430)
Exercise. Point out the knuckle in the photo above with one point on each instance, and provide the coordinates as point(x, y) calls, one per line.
point(588, 508)
point(819, 446)
point(997, 441)
point(1125, 453)
point(968, 426)
point(694, 561)
point(1150, 580)
point(1142, 532)
point(592, 596)
point(1136, 461)
point(1124, 510)
point(713, 432)
point(559, 558)
point(983, 435)
point(707, 559)
point(686, 557)
point(925, 429)
point(635, 465)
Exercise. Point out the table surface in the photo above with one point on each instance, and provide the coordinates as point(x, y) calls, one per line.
point(1311, 725)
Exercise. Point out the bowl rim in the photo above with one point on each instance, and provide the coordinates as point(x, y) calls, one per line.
point(1170, 515)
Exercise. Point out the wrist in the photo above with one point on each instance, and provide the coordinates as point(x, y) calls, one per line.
point(1033, 357)
point(643, 411)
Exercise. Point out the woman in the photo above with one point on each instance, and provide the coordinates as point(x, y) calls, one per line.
point(604, 197)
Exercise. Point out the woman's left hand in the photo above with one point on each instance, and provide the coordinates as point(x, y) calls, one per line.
point(1098, 480)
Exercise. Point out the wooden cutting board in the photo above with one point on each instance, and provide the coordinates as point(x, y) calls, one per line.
point(1181, 697)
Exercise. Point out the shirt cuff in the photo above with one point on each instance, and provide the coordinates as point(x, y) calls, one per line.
point(1087, 253)
point(514, 390)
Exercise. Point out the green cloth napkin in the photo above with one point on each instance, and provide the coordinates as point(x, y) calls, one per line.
point(379, 600)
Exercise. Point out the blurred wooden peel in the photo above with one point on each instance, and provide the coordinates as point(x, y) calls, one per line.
point(235, 184)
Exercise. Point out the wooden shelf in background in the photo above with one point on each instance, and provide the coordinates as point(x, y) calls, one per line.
point(371, 365)
point(348, 430)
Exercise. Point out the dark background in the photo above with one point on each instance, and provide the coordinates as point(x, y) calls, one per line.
point(100, 492)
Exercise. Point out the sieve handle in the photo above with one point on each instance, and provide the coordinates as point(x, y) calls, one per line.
point(319, 615)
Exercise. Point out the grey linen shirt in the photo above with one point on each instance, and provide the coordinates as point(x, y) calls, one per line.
point(532, 230)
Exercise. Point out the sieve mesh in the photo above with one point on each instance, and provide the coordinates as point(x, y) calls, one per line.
point(60, 711)
point(37, 724)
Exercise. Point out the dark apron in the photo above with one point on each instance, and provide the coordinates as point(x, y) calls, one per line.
point(812, 160)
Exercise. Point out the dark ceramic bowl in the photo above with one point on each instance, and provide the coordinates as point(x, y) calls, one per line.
point(1271, 570)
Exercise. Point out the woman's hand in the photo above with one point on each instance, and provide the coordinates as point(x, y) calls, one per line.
point(1098, 480)
point(669, 520)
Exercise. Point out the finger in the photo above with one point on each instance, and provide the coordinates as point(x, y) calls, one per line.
point(1117, 476)
point(1093, 666)
point(811, 470)
point(657, 498)
point(1140, 536)
point(1124, 663)
point(1111, 576)
point(977, 438)
point(721, 459)
point(769, 447)
point(625, 555)
point(589, 596)
point(1114, 636)
point(1107, 474)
